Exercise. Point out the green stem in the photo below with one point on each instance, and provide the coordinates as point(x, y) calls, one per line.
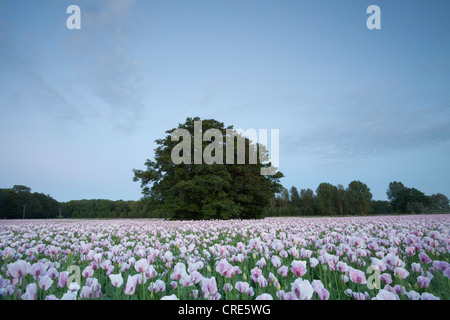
point(143, 287)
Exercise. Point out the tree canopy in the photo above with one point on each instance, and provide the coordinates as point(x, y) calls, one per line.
point(217, 190)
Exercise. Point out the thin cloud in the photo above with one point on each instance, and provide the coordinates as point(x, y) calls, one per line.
point(118, 83)
point(114, 75)
point(373, 127)
point(23, 86)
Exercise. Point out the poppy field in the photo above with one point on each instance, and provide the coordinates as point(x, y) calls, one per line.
point(327, 258)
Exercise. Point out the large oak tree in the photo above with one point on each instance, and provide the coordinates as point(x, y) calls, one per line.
point(190, 190)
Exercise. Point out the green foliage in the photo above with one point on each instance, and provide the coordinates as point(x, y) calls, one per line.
point(327, 199)
point(107, 209)
point(439, 202)
point(358, 197)
point(380, 207)
point(308, 201)
point(408, 200)
point(206, 191)
point(41, 206)
point(295, 199)
point(18, 202)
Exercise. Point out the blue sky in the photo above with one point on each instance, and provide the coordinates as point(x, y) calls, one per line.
point(79, 109)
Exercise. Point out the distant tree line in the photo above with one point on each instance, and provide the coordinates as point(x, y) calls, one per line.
point(356, 199)
point(107, 209)
point(20, 203)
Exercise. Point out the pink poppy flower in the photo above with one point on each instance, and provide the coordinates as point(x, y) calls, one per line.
point(424, 258)
point(140, 278)
point(424, 282)
point(283, 271)
point(110, 270)
point(317, 284)
point(209, 287)
point(386, 278)
point(264, 296)
point(150, 272)
point(302, 289)
point(255, 273)
point(272, 279)
point(413, 295)
point(30, 292)
point(378, 264)
point(416, 267)
point(401, 273)
point(323, 293)
point(228, 287)
point(142, 265)
point(262, 281)
point(125, 267)
point(178, 271)
point(223, 267)
point(342, 266)
point(88, 272)
point(130, 286)
point(116, 280)
point(313, 262)
point(441, 265)
point(97, 258)
point(196, 276)
point(298, 268)
point(250, 292)
point(285, 295)
point(447, 272)
point(87, 293)
point(359, 296)
point(45, 282)
point(18, 269)
point(195, 266)
point(386, 295)
point(276, 261)
point(157, 286)
point(394, 260)
point(242, 286)
point(233, 271)
point(69, 295)
point(240, 246)
point(52, 273)
point(428, 296)
point(132, 261)
point(261, 263)
point(74, 287)
point(331, 265)
point(357, 276)
point(171, 297)
point(105, 264)
point(398, 289)
point(348, 292)
point(62, 279)
point(410, 251)
point(38, 269)
point(186, 281)
point(10, 289)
